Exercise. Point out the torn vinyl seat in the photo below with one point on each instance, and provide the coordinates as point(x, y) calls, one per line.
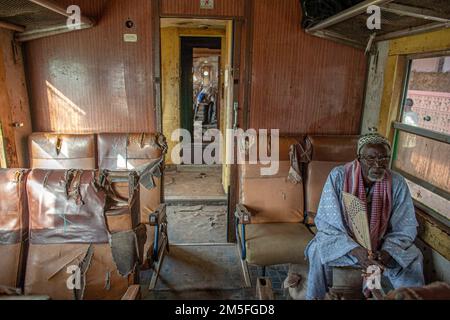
point(72, 253)
point(269, 217)
point(323, 154)
point(62, 151)
point(142, 153)
point(13, 229)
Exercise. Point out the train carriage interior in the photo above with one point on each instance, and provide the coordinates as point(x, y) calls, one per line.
point(224, 150)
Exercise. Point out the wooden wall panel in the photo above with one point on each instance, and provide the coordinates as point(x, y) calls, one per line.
point(91, 80)
point(14, 105)
point(302, 84)
point(223, 8)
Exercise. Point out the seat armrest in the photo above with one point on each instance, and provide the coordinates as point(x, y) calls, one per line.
point(133, 293)
point(242, 214)
point(157, 217)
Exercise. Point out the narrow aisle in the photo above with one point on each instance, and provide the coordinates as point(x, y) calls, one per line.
point(201, 265)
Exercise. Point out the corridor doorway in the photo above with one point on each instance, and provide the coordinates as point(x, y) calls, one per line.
point(197, 92)
point(200, 82)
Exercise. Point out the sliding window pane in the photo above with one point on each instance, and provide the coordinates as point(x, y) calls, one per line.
point(423, 158)
point(429, 199)
point(427, 102)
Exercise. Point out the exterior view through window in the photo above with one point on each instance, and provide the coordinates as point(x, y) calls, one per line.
point(422, 149)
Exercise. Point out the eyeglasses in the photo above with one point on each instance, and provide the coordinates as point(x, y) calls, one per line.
point(372, 161)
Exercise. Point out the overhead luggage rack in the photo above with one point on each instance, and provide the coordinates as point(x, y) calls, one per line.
point(33, 19)
point(398, 18)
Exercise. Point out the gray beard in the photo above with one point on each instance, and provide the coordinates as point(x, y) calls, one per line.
point(374, 178)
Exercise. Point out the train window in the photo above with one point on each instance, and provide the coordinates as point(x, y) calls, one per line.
point(422, 139)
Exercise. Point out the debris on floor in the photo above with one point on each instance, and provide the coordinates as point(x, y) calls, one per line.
point(197, 224)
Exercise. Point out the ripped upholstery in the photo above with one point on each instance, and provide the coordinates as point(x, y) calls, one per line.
point(66, 207)
point(124, 250)
point(70, 233)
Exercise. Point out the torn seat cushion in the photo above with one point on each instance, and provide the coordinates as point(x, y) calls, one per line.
point(49, 266)
point(127, 151)
point(276, 243)
point(63, 211)
point(68, 228)
point(133, 151)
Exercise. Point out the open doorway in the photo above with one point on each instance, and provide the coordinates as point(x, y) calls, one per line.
point(196, 60)
point(206, 87)
point(200, 82)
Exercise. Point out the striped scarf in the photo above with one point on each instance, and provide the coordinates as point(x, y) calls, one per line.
point(381, 200)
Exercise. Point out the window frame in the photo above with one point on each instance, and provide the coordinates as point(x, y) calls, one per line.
point(398, 127)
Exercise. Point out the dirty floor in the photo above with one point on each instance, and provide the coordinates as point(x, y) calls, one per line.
point(200, 265)
point(194, 183)
point(197, 224)
point(208, 272)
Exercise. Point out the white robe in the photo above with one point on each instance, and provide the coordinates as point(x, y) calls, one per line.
point(332, 244)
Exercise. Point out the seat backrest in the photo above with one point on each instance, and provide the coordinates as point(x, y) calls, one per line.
point(13, 226)
point(324, 153)
point(129, 151)
point(69, 233)
point(272, 198)
point(62, 151)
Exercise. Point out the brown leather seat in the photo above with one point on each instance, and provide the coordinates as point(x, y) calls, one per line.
point(62, 151)
point(134, 151)
point(122, 153)
point(13, 226)
point(324, 154)
point(271, 212)
point(72, 231)
point(276, 243)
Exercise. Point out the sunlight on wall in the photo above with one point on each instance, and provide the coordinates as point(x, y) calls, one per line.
point(63, 112)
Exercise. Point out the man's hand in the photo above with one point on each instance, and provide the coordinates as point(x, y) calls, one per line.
point(362, 255)
point(385, 258)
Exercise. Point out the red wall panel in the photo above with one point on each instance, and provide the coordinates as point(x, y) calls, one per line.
point(300, 83)
point(91, 80)
point(222, 8)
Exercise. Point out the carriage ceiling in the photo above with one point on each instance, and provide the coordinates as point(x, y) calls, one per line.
point(32, 19)
point(398, 18)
